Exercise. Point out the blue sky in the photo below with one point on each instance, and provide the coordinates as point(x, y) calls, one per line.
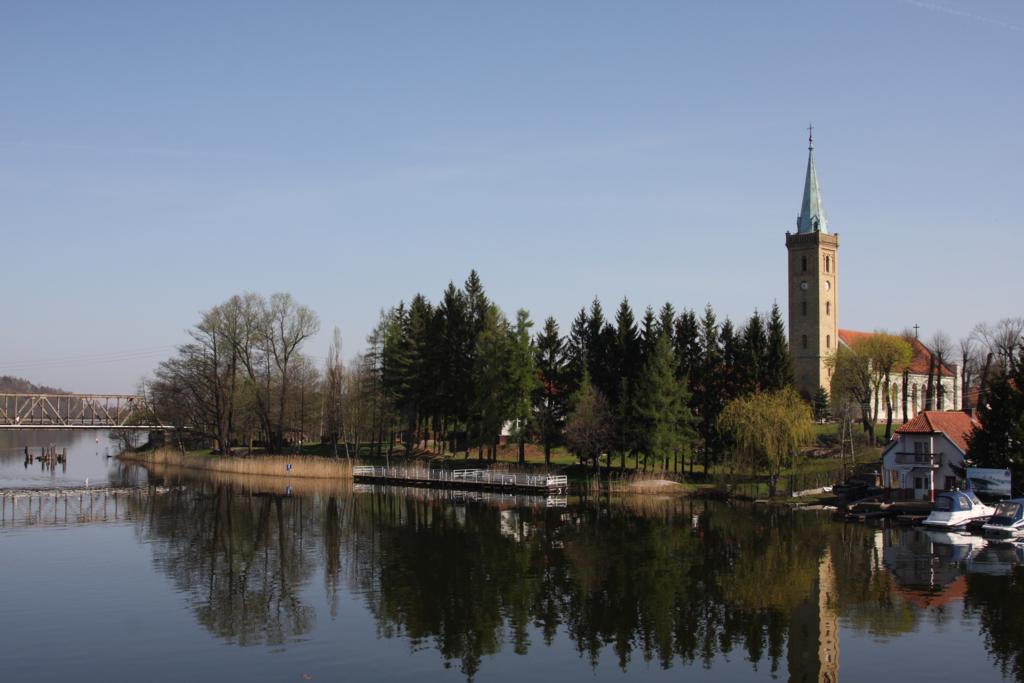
point(156, 158)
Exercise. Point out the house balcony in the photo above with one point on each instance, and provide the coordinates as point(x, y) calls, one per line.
point(932, 460)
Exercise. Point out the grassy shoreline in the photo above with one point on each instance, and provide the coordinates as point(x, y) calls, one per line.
point(315, 464)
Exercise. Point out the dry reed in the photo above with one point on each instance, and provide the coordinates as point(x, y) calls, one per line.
point(172, 475)
point(302, 467)
point(647, 483)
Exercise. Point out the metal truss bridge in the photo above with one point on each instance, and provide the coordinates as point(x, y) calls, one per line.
point(75, 411)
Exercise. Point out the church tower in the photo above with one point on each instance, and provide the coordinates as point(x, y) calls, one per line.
point(813, 288)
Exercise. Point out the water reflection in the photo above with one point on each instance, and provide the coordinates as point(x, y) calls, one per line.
point(241, 559)
point(673, 582)
point(997, 598)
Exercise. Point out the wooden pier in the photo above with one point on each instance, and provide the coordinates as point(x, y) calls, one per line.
point(464, 480)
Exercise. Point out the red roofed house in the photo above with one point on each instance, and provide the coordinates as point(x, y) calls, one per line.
point(926, 453)
point(948, 397)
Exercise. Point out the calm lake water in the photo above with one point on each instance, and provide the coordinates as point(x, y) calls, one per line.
point(223, 581)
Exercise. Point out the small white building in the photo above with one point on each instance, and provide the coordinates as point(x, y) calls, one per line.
point(927, 454)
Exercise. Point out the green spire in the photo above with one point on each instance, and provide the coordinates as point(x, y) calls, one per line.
point(812, 216)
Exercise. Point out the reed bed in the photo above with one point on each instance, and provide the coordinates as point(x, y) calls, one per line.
point(302, 467)
point(648, 483)
point(172, 475)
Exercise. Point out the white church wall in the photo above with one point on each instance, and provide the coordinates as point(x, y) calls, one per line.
point(949, 399)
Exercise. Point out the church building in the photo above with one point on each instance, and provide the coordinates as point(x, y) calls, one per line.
point(814, 332)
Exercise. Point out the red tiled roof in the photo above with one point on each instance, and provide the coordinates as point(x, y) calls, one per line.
point(956, 425)
point(924, 599)
point(920, 360)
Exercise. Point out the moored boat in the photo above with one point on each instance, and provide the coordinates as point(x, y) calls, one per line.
point(957, 509)
point(1007, 521)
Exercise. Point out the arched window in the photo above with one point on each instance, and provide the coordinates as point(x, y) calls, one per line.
point(803, 340)
point(828, 264)
point(828, 341)
point(803, 263)
point(828, 308)
point(803, 307)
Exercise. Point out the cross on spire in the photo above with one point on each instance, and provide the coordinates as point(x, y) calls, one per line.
point(810, 136)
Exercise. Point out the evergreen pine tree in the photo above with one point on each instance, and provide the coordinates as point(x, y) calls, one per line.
point(476, 300)
point(755, 351)
point(667, 322)
point(999, 441)
point(687, 345)
point(523, 377)
point(494, 401)
point(576, 347)
point(662, 407)
point(397, 379)
point(454, 359)
point(600, 345)
point(649, 333)
point(551, 396)
point(778, 366)
point(421, 377)
point(626, 370)
point(820, 404)
point(733, 380)
point(477, 309)
point(708, 390)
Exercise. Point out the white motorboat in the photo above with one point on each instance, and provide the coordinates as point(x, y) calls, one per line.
point(957, 509)
point(1007, 521)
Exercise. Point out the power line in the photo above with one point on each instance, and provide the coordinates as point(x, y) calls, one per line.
point(89, 359)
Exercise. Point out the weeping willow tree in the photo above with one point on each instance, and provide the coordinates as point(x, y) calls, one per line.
point(767, 430)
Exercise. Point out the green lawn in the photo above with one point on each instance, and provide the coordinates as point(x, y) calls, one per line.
point(830, 430)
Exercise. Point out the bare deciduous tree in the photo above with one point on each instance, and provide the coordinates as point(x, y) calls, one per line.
point(971, 365)
point(1003, 339)
point(332, 393)
point(288, 325)
point(941, 349)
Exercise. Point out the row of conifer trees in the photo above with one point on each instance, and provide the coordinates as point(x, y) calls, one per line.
point(452, 374)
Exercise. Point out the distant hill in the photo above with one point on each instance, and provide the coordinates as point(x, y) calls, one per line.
point(17, 385)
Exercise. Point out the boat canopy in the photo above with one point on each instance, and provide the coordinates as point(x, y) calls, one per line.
point(1008, 513)
point(956, 501)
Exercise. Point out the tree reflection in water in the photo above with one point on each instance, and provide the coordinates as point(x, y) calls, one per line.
point(673, 581)
point(998, 600)
point(239, 557)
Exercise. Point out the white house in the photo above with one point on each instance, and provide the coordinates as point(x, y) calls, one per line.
point(927, 454)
